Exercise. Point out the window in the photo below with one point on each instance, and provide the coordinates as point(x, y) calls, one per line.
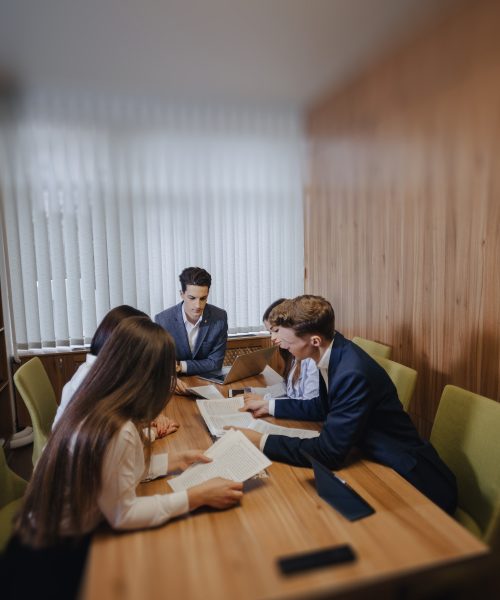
point(105, 204)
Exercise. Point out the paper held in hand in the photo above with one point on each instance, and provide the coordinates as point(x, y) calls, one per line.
point(233, 457)
point(221, 413)
point(225, 413)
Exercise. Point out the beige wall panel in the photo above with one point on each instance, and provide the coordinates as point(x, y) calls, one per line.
point(403, 207)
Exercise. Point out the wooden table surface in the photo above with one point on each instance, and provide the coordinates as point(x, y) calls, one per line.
point(230, 554)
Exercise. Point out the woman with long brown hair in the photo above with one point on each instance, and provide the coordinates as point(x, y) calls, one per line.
point(95, 457)
point(162, 425)
point(301, 376)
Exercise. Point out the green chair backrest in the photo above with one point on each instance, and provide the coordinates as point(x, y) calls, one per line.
point(11, 485)
point(11, 491)
point(373, 348)
point(466, 433)
point(403, 377)
point(33, 383)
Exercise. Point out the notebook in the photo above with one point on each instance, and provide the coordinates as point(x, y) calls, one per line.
point(338, 493)
point(245, 365)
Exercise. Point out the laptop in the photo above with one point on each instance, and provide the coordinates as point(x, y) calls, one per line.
point(338, 493)
point(245, 365)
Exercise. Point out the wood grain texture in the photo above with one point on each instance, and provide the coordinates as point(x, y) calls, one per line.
point(245, 345)
point(403, 206)
point(232, 554)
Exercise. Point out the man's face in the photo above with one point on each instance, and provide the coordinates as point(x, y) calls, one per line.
point(195, 299)
point(300, 347)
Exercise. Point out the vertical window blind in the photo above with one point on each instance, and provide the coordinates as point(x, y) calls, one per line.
point(105, 202)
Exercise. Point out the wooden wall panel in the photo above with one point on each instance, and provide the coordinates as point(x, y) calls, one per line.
point(403, 207)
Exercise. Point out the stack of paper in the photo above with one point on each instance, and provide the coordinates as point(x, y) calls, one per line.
point(233, 457)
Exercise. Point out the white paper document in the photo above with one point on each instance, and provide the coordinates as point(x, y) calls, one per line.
point(205, 391)
point(222, 413)
point(225, 413)
point(233, 457)
point(278, 390)
point(271, 376)
point(269, 428)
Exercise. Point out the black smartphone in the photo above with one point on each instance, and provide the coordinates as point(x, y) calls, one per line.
point(317, 558)
point(236, 392)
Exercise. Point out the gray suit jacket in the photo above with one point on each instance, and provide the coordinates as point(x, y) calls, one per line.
point(208, 353)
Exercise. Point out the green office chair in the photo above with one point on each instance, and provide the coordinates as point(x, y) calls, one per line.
point(466, 434)
point(402, 377)
point(373, 348)
point(11, 492)
point(33, 383)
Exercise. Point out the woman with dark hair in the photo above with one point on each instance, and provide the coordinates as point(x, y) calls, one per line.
point(162, 425)
point(301, 376)
point(96, 457)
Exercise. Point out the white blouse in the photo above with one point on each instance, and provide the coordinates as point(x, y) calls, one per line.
point(123, 469)
point(72, 385)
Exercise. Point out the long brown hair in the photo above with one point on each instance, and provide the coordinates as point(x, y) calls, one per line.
point(287, 357)
point(108, 324)
point(132, 379)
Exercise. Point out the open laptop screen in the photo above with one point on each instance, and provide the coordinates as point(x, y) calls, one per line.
point(245, 365)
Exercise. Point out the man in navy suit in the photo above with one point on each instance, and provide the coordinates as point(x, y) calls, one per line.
point(199, 329)
point(358, 405)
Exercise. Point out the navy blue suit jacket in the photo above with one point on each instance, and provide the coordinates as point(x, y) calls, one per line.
point(208, 353)
point(361, 409)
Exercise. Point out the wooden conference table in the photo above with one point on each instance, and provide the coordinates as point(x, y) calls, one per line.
point(232, 554)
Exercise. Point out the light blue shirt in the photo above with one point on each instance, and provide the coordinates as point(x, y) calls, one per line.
point(307, 385)
point(305, 388)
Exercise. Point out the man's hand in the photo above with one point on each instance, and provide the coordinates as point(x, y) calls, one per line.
point(177, 366)
point(255, 404)
point(253, 436)
point(164, 426)
point(182, 460)
point(217, 493)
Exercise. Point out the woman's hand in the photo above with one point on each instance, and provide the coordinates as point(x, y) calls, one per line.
point(217, 493)
point(182, 460)
point(181, 388)
point(164, 426)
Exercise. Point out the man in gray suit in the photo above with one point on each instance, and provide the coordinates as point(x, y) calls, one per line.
point(199, 329)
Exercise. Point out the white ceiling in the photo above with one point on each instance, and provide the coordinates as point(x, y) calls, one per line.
point(253, 52)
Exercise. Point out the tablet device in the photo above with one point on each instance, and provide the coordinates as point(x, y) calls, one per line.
point(338, 493)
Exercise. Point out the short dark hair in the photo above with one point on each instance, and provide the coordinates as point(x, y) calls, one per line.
point(109, 323)
point(305, 314)
point(267, 312)
point(195, 276)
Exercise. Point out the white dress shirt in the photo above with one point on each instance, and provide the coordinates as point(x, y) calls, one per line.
point(323, 364)
point(192, 333)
